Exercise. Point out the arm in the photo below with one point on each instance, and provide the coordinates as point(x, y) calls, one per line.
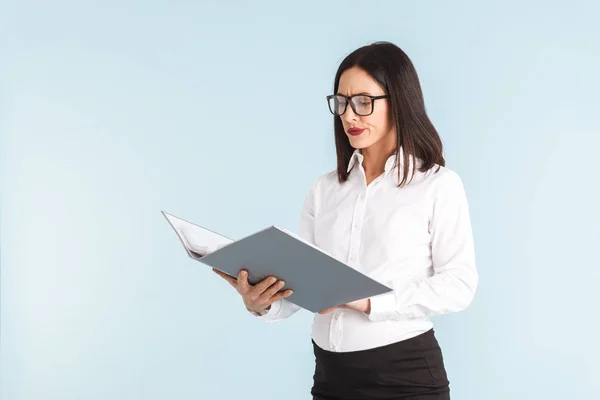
point(455, 279)
point(282, 309)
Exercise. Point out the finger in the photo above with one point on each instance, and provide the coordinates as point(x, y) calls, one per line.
point(327, 310)
point(263, 285)
point(232, 281)
point(223, 274)
point(271, 291)
point(243, 285)
point(281, 295)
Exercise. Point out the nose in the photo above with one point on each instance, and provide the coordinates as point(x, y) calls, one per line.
point(349, 116)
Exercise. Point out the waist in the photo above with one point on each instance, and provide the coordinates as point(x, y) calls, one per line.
point(408, 349)
point(346, 331)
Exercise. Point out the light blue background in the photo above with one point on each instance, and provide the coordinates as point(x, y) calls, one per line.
point(215, 111)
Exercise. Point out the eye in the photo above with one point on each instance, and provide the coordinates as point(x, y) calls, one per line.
point(364, 101)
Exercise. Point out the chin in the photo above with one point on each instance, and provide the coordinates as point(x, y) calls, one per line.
point(359, 143)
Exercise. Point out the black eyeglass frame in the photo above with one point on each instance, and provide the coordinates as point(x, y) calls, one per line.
point(349, 101)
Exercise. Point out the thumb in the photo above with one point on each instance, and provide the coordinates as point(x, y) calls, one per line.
point(327, 310)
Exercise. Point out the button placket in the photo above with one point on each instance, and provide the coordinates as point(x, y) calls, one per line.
point(339, 333)
point(356, 228)
point(335, 332)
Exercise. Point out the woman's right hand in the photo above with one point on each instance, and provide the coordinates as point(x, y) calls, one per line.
point(259, 297)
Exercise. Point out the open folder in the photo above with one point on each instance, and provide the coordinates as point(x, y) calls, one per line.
point(319, 280)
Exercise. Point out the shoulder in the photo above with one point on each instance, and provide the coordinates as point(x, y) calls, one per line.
point(324, 181)
point(317, 186)
point(444, 184)
point(443, 178)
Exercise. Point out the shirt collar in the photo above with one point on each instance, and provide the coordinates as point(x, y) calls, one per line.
point(357, 157)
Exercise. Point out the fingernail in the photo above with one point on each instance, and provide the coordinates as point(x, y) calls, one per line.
point(272, 279)
point(281, 283)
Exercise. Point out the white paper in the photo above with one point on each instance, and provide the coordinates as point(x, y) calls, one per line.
point(197, 241)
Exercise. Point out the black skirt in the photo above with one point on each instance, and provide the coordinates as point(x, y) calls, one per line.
point(411, 369)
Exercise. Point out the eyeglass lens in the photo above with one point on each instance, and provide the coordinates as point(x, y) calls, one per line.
point(363, 105)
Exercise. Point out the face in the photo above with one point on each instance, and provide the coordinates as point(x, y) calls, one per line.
point(378, 130)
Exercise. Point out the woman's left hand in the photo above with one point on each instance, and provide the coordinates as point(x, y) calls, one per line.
point(363, 305)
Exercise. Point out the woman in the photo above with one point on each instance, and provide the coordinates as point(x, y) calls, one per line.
point(393, 211)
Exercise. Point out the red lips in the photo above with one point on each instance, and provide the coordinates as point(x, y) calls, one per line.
point(355, 131)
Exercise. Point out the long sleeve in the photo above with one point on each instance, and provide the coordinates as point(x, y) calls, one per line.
point(454, 282)
point(283, 309)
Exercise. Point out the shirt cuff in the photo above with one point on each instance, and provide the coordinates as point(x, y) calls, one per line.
point(271, 313)
point(382, 306)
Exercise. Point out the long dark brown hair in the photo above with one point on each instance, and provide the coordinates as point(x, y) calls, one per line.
point(415, 134)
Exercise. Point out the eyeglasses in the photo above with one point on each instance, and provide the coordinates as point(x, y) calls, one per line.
point(361, 104)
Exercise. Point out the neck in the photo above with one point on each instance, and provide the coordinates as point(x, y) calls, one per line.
point(375, 156)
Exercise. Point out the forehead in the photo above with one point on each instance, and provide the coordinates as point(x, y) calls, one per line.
point(356, 80)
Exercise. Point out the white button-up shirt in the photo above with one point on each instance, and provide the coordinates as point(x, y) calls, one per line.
point(416, 239)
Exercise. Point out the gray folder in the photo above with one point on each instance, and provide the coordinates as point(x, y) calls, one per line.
point(319, 280)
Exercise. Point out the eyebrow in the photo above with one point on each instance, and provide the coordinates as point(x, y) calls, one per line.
point(355, 94)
